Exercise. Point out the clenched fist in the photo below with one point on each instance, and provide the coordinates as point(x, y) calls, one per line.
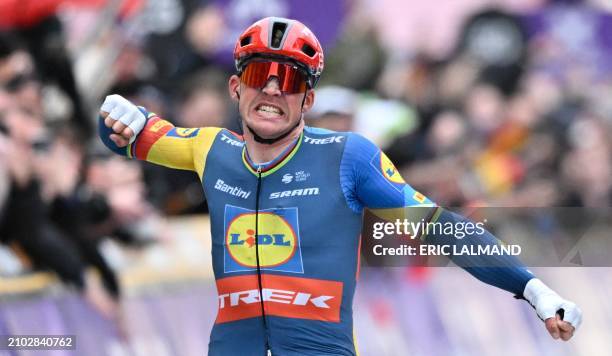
point(548, 305)
point(124, 118)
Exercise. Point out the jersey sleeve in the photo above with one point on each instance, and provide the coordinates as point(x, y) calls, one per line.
point(162, 143)
point(369, 178)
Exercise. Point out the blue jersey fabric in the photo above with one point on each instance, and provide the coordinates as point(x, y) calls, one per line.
point(320, 192)
point(286, 238)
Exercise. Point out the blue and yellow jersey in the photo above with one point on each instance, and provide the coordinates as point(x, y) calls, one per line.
point(306, 240)
point(310, 214)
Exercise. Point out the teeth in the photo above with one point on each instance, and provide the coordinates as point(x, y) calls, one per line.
point(270, 109)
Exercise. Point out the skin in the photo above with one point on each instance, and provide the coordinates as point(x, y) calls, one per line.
point(558, 328)
point(271, 125)
point(267, 125)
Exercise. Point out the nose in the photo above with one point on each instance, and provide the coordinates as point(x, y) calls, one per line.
point(272, 87)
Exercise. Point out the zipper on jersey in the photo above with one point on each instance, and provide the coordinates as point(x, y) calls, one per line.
point(261, 301)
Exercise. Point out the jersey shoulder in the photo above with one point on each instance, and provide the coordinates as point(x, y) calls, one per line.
point(319, 136)
point(230, 138)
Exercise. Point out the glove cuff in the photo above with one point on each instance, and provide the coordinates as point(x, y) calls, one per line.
point(534, 289)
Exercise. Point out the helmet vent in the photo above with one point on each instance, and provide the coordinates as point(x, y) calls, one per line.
point(310, 52)
point(245, 41)
point(278, 33)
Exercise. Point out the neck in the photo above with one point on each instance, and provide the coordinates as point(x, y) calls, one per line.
point(262, 153)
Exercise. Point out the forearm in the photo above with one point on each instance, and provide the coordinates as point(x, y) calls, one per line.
point(159, 142)
point(503, 271)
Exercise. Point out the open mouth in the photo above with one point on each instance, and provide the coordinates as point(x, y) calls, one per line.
point(269, 110)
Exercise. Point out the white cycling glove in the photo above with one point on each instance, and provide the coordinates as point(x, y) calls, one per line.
point(121, 109)
point(547, 302)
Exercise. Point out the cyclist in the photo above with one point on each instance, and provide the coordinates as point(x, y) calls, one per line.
point(286, 204)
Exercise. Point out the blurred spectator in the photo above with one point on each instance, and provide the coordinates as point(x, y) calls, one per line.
point(38, 177)
point(43, 39)
point(334, 109)
point(204, 100)
point(590, 183)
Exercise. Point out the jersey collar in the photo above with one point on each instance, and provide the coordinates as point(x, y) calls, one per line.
point(272, 166)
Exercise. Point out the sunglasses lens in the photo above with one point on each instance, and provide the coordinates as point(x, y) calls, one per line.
point(291, 80)
point(255, 74)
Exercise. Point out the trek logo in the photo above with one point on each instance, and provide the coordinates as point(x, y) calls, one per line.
point(235, 191)
point(231, 141)
point(295, 193)
point(291, 297)
point(323, 141)
point(273, 295)
point(277, 241)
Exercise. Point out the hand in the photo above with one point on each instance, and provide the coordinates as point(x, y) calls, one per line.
point(123, 117)
point(560, 316)
point(557, 327)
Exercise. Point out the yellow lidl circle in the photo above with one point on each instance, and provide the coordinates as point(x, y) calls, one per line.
point(276, 240)
point(185, 132)
point(389, 170)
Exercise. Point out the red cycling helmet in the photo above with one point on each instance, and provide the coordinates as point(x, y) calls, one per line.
point(281, 39)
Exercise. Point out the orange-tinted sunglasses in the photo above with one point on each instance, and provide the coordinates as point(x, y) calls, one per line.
point(291, 79)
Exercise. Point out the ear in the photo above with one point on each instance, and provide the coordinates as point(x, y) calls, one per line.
point(234, 87)
point(308, 101)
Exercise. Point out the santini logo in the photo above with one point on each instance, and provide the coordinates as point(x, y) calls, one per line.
point(295, 193)
point(235, 191)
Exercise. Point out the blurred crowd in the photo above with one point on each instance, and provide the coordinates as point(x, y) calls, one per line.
point(508, 111)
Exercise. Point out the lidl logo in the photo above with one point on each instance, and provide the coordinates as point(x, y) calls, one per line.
point(158, 124)
point(389, 170)
point(419, 197)
point(183, 132)
point(277, 240)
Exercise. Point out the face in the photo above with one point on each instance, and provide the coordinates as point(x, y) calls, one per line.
point(269, 111)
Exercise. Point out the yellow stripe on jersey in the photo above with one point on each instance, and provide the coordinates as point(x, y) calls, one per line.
point(202, 146)
point(182, 148)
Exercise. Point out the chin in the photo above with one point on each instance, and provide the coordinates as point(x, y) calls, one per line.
point(268, 129)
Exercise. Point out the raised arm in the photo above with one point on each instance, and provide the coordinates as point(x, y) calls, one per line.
point(133, 132)
point(370, 180)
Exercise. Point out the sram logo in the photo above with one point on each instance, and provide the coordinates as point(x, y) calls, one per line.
point(295, 193)
point(291, 297)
